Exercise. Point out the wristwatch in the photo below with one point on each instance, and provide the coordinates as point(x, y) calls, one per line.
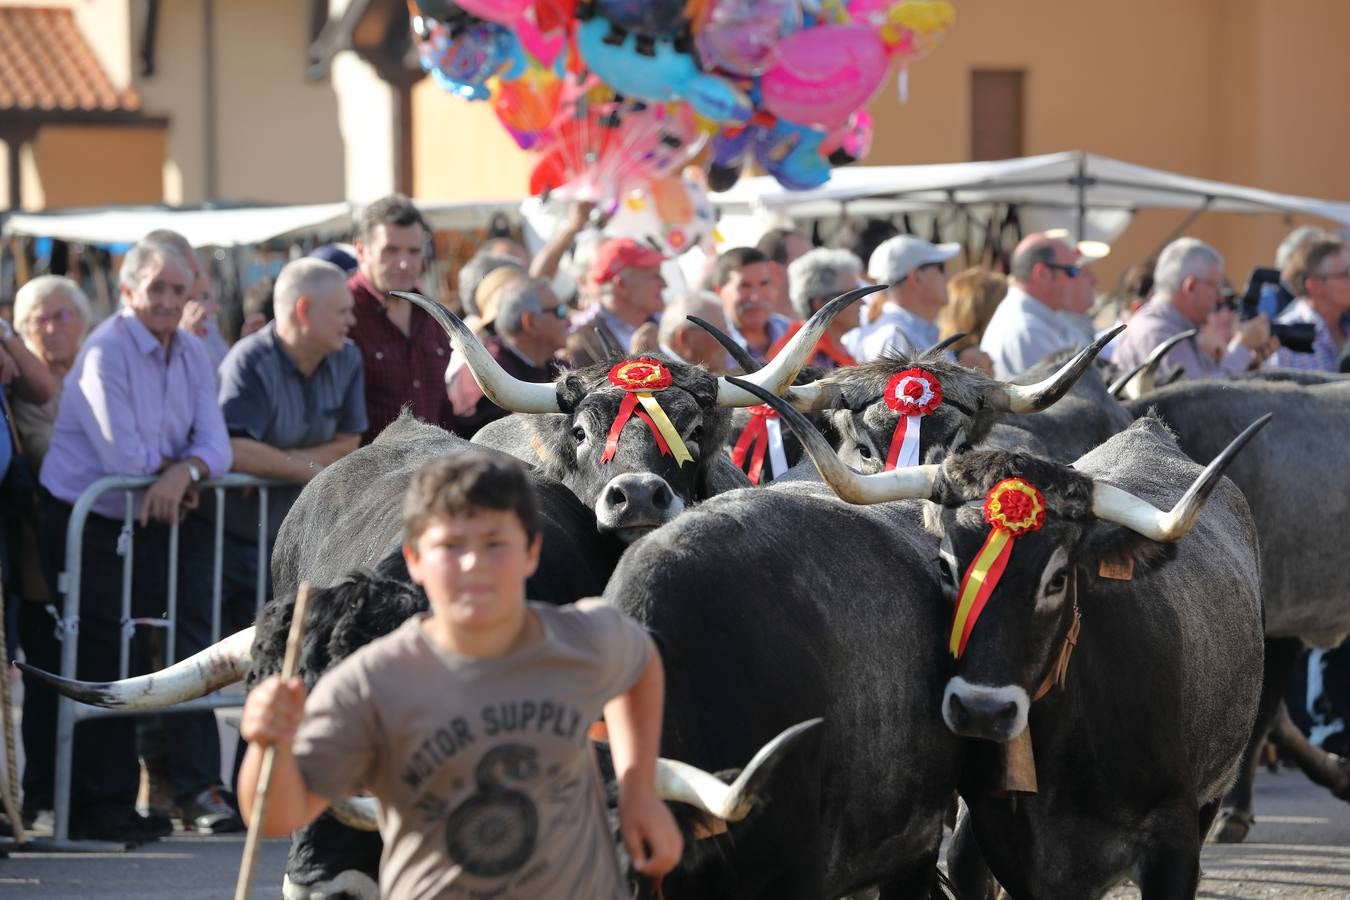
point(193, 472)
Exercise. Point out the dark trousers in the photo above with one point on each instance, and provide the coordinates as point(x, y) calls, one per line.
point(105, 771)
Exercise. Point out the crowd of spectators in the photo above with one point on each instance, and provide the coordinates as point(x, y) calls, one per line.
point(330, 354)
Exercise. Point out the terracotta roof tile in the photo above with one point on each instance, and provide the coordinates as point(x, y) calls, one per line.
point(46, 65)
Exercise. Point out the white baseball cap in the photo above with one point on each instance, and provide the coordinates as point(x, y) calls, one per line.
point(897, 257)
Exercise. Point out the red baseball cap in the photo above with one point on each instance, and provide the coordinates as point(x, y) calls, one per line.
point(618, 254)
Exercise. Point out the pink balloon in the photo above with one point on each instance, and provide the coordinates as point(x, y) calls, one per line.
point(512, 14)
point(824, 74)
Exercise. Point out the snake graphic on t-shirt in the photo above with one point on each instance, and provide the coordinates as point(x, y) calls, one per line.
point(493, 833)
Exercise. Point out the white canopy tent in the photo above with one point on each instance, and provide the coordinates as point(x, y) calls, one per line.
point(234, 226)
point(1094, 197)
point(1075, 183)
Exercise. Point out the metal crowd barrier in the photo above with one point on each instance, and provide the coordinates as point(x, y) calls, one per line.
point(71, 712)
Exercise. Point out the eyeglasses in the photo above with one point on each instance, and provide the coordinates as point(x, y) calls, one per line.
point(60, 317)
point(560, 311)
point(1227, 303)
point(1071, 271)
point(1330, 275)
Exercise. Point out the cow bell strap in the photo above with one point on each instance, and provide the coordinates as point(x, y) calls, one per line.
point(1059, 670)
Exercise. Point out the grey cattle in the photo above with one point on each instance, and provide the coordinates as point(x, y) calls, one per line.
point(1299, 492)
point(1138, 721)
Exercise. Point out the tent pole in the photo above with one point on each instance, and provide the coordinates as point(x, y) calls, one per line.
point(1081, 230)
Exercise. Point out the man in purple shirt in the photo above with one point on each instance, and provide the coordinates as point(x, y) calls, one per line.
point(1187, 287)
point(139, 400)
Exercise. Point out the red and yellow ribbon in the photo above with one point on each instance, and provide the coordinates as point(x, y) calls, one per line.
point(754, 440)
point(913, 393)
point(1012, 508)
point(640, 378)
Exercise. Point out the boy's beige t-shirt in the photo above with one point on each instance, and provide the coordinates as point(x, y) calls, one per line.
point(486, 782)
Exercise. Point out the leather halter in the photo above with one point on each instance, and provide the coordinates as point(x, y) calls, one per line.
point(1059, 670)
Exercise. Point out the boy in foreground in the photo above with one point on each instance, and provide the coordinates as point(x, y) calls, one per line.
point(469, 723)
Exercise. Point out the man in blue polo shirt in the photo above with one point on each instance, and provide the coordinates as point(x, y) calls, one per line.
point(294, 402)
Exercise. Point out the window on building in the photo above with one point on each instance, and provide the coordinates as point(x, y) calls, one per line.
point(996, 103)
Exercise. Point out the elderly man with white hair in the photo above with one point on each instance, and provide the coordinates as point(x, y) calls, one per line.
point(529, 327)
point(1187, 288)
point(683, 341)
point(814, 279)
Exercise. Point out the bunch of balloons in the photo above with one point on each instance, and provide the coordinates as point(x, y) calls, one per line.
point(617, 96)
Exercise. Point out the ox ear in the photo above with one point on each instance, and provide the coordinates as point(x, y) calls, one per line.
point(1114, 552)
point(719, 475)
point(571, 391)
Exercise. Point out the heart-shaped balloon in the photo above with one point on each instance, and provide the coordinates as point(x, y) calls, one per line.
point(824, 74)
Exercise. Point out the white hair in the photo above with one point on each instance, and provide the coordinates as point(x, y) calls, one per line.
point(42, 287)
point(304, 277)
point(815, 275)
point(1297, 238)
point(141, 255)
point(516, 298)
point(704, 304)
point(1183, 258)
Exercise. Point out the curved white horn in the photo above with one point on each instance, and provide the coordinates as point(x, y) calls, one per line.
point(682, 782)
point(912, 483)
point(224, 662)
point(1139, 380)
point(361, 813)
point(501, 388)
point(1111, 504)
point(1028, 398)
point(777, 375)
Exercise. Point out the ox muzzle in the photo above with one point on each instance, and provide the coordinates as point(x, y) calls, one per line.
point(989, 713)
point(634, 504)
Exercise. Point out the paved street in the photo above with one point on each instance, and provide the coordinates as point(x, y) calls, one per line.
point(1300, 848)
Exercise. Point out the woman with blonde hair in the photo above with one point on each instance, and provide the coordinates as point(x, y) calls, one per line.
point(972, 297)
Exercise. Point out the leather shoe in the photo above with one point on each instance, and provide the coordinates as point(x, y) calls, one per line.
point(122, 826)
point(209, 813)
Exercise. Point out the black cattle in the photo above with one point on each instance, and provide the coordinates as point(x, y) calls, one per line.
point(1299, 493)
point(781, 604)
point(641, 486)
point(1134, 750)
point(351, 517)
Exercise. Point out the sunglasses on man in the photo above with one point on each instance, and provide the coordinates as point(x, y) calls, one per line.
point(560, 311)
point(1070, 271)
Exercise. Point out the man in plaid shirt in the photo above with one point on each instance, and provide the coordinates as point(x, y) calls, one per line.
point(403, 350)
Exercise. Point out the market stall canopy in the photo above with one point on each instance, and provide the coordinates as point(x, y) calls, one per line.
point(203, 227)
point(236, 226)
point(1073, 181)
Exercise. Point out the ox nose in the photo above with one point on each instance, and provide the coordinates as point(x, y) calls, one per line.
point(635, 503)
point(648, 493)
point(990, 713)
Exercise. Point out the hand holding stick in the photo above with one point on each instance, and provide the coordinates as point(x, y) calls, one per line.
point(289, 666)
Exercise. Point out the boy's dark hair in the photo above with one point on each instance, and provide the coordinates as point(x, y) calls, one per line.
point(736, 259)
point(457, 486)
point(395, 209)
point(774, 244)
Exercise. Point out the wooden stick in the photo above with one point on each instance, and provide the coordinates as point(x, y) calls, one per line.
point(289, 666)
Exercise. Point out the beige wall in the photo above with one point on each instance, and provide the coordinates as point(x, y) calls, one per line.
point(64, 172)
point(277, 137)
point(1224, 89)
point(461, 151)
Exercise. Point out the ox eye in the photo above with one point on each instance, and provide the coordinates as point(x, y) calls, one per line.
point(945, 570)
point(696, 435)
point(579, 434)
point(864, 451)
point(1059, 583)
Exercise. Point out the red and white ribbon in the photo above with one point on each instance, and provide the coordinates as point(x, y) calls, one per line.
point(914, 393)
